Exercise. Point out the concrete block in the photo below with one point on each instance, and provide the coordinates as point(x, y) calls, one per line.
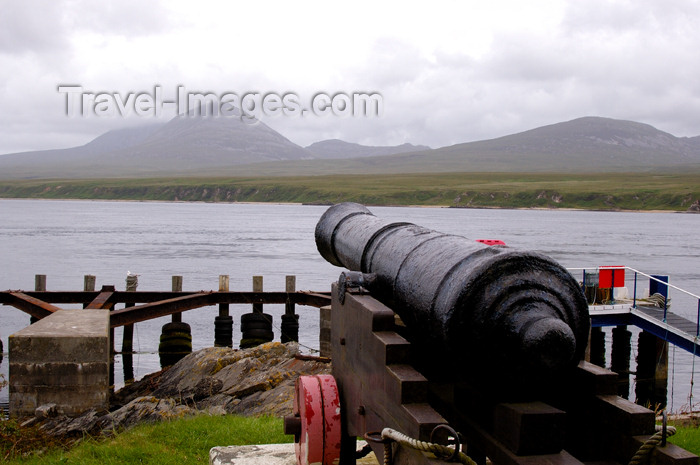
point(269, 454)
point(65, 336)
point(61, 359)
point(71, 400)
point(63, 374)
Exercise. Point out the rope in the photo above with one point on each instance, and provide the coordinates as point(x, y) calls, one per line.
point(673, 377)
point(650, 444)
point(440, 451)
point(692, 377)
point(445, 452)
point(657, 300)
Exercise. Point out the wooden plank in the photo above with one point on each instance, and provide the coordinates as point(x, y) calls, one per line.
point(55, 297)
point(672, 319)
point(530, 428)
point(232, 297)
point(624, 417)
point(669, 454)
point(308, 298)
point(103, 299)
point(28, 304)
point(406, 384)
point(409, 456)
point(600, 428)
point(501, 455)
point(157, 309)
point(312, 299)
point(362, 345)
point(592, 380)
point(390, 348)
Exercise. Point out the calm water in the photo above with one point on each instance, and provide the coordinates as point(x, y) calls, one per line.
point(66, 240)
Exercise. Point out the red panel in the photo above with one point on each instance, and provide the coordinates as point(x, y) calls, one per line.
point(491, 241)
point(612, 276)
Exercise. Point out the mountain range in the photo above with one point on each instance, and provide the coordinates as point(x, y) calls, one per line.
point(208, 146)
point(336, 148)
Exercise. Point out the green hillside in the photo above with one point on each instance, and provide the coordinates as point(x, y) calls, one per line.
point(674, 192)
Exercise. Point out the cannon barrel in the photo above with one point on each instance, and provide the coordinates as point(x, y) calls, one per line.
point(464, 304)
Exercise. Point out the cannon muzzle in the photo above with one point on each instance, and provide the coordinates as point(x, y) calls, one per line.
point(465, 304)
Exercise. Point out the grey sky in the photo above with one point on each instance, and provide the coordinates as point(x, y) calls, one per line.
point(448, 71)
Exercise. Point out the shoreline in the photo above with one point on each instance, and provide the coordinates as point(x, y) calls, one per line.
point(514, 191)
point(307, 204)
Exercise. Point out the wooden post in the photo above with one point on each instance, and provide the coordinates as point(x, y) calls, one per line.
point(39, 286)
point(290, 320)
point(257, 287)
point(89, 282)
point(290, 285)
point(652, 370)
point(620, 358)
point(223, 287)
point(177, 287)
point(132, 282)
point(88, 285)
point(596, 347)
point(256, 327)
point(40, 283)
point(223, 324)
point(176, 336)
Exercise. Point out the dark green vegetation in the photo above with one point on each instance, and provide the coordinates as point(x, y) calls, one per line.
point(687, 437)
point(185, 441)
point(17, 441)
point(628, 191)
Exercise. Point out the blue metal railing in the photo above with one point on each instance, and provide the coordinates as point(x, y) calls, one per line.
point(653, 278)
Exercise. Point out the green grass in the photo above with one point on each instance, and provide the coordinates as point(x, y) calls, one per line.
point(687, 437)
point(181, 442)
point(187, 442)
point(632, 191)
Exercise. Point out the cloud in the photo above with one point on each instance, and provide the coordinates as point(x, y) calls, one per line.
point(449, 71)
point(127, 18)
point(32, 27)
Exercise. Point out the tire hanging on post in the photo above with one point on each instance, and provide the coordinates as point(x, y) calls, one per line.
point(175, 343)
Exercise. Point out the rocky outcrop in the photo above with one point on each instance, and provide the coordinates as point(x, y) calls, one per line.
point(217, 381)
point(695, 207)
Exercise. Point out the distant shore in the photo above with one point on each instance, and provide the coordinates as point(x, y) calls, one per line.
point(368, 205)
point(551, 191)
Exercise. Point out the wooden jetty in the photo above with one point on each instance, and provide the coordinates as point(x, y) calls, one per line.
point(665, 325)
point(656, 319)
point(658, 324)
point(150, 304)
point(53, 361)
point(125, 308)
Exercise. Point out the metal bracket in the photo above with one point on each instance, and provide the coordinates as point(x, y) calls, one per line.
point(354, 280)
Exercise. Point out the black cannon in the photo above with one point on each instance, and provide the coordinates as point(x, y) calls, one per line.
point(466, 305)
point(486, 350)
